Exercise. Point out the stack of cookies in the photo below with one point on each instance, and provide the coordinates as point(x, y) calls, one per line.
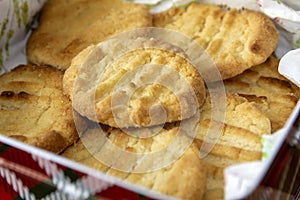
point(136, 107)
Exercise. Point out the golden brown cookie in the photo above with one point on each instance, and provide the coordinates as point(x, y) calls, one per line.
point(34, 110)
point(148, 83)
point(235, 39)
point(236, 144)
point(238, 112)
point(67, 27)
point(230, 139)
point(167, 178)
point(273, 94)
point(235, 138)
point(185, 179)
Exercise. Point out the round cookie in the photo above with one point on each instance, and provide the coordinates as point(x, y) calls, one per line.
point(67, 27)
point(275, 95)
point(34, 110)
point(184, 177)
point(134, 82)
point(234, 140)
point(235, 39)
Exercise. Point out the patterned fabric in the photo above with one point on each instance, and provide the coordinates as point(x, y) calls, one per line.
point(16, 17)
point(27, 176)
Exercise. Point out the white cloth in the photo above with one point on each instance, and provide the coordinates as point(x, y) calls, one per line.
point(15, 19)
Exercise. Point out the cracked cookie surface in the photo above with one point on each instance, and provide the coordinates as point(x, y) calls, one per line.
point(274, 95)
point(67, 27)
point(101, 154)
point(235, 39)
point(34, 110)
point(149, 83)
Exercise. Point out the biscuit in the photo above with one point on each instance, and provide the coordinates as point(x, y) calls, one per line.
point(34, 110)
point(235, 39)
point(236, 144)
point(238, 141)
point(181, 180)
point(274, 95)
point(239, 129)
point(154, 81)
point(67, 27)
point(238, 112)
point(166, 179)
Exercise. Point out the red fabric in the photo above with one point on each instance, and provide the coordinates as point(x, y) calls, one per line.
point(21, 165)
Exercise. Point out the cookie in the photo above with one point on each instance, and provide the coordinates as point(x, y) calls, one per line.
point(181, 180)
point(237, 111)
point(165, 178)
point(275, 95)
point(234, 137)
point(236, 144)
point(134, 83)
point(235, 39)
point(67, 27)
point(34, 110)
